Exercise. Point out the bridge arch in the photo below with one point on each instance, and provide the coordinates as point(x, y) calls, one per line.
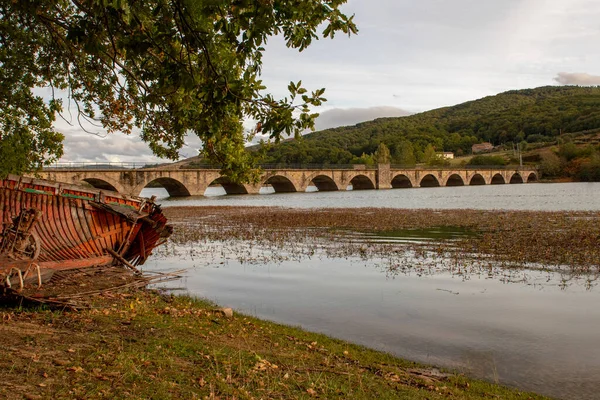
point(401, 181)
point(532, 177)
point(324, 183)
point(429, 181)
point(477, 180)
point(516, 178)
point(103, 184)
point(362, 182)
point(497, 179)
point(171, 185)
point(280, 184)
point(229, 186)
point(454, 180)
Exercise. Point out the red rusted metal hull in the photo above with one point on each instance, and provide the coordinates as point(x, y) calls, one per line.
point(81, 227)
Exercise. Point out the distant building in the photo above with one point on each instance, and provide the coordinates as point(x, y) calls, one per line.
point(482, 147)
point(448, 155)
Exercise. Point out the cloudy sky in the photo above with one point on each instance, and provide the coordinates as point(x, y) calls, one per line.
point(412, 56)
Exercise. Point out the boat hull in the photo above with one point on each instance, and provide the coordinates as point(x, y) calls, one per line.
point(80, 227)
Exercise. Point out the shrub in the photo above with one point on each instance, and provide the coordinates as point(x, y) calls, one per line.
point(487, 160)
point(550, 165)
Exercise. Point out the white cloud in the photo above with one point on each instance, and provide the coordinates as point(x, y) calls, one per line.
point(352, 116)
point(117, 147)
point(581, 79)
point(337, 117)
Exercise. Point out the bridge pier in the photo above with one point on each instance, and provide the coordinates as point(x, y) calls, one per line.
point(384, 179)
point(252, 189)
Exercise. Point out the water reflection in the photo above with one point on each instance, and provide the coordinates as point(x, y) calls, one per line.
point(427, 261)
point(551, 197)
point(529, 328)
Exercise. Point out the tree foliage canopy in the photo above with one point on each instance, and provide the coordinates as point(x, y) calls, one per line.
point(382, 155)
point(166, 67)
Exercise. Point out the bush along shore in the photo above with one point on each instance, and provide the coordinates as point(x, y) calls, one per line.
point(144, 344)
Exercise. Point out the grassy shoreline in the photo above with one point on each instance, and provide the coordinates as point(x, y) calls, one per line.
point(148, 345)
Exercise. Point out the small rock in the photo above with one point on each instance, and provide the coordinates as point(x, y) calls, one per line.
point(226, 312)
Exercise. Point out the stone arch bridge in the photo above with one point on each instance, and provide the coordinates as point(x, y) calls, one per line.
point(194, 182)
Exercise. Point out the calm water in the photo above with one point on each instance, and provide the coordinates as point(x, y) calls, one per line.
point(537, 196)
point(534, 330)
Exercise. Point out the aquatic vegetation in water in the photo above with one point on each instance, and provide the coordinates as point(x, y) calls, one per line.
point(430, 233)
point(464, 243)
point(543, 239)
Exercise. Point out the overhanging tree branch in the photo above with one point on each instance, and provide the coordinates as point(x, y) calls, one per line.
point(168, 67)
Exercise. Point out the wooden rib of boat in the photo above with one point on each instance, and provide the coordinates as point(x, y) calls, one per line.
point(48, 226)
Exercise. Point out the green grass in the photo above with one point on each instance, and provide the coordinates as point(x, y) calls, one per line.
point(146, 345)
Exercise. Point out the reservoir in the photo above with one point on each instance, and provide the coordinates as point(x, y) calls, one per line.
point(533, 196)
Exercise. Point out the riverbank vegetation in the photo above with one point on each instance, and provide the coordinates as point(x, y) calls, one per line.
point(548, 240)
point(147, 345)
point(571, 162)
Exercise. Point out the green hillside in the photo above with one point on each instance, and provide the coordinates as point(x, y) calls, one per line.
point(531, 115)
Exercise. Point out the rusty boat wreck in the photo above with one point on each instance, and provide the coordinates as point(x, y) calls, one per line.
point(48, 228)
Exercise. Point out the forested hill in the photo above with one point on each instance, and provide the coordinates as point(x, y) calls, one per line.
point(532, 115)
